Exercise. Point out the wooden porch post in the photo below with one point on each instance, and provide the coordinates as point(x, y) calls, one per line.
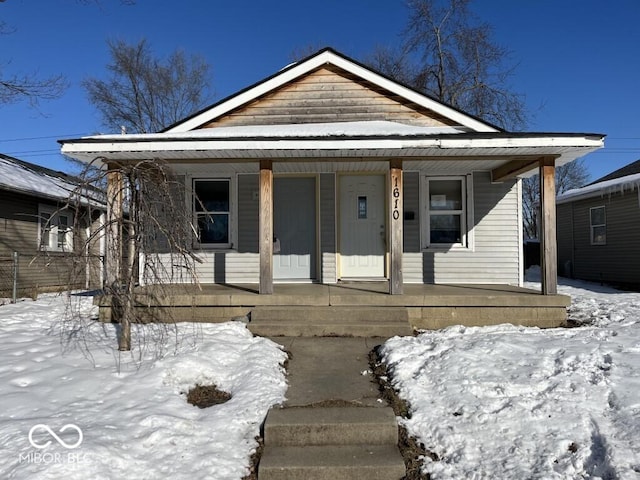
point(396, 217)
point(266, 227)
point(548, 245)
point(113, 251)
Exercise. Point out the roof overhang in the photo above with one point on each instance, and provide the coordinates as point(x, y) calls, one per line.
point(517, 151)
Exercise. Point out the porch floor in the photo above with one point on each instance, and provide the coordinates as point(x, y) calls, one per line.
point(422, 306)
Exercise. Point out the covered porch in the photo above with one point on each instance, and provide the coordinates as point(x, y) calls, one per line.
point(349, 308)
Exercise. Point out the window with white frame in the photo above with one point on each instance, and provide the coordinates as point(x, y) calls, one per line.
point(445, 222)
point(598, 222)
point(212, 211)
point(55, 229)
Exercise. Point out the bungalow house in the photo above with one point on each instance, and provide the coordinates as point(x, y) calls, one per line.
point(328, 173)
point(41, 230)
point(599, 229)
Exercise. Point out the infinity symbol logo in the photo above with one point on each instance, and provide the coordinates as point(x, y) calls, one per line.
point(53, 434)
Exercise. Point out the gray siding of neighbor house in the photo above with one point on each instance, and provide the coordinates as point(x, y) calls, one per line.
point(37, 271)
point(617, 262)
point(564, 238)
point(494, 256)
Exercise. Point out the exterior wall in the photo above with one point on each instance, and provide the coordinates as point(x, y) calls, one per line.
point(617, 262)
point(328, 95)
point(328, 223)
point(40, 271)
point(564, 239)
point(494, 254)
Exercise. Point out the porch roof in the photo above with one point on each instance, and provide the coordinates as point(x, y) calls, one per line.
point(373, 140)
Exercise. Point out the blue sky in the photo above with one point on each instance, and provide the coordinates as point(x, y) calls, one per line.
point(578, 61)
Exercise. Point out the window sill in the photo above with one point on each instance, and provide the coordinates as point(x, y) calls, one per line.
point(60, 253)
point(447, 248)
point(214, 248)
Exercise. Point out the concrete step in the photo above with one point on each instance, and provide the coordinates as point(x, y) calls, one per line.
point(348, 462)
point(275, 328)
point(331, 314)
point(330, 426)
point(298, 321)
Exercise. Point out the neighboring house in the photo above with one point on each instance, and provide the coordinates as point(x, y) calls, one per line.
point(44, 227)
point(328, 171)
point(599, 229)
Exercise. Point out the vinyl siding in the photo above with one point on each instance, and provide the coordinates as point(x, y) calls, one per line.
point(564, 239)
point(618, 261)
point(493, 256)
point(328, 228)
point(329, 94)
point(37, 271)
point(248, 214)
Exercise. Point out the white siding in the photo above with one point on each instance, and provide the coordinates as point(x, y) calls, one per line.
point(494, 253)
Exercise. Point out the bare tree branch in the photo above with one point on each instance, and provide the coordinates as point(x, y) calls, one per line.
point(571, 175)
point(144, 94)
point(448, 54)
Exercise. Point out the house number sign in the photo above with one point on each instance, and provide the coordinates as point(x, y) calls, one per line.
point(396, 199)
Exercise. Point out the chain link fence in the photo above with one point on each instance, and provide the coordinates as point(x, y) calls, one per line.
point(9, 277)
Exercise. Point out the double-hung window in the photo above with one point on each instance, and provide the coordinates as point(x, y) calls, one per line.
point(445, 222)
point(211, 207)
point(598, 225)
point(55, 229)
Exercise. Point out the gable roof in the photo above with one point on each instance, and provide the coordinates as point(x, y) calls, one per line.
point(325, 57)
point(30, 179)
point(257, 123)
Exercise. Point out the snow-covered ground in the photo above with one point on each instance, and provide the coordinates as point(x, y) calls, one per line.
point(499, 402)
point(129, 416)
point(509, 402)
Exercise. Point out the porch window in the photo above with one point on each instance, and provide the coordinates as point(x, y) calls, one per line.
point(211, 206)
point(598, 227)
point(445, 220)
point(54, 227)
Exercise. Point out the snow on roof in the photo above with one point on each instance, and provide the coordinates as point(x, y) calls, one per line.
point(601, 189)
point(308, 130)
point(31, 179)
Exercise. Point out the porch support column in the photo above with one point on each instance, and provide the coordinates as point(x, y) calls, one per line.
point(396, 218)
point(113, 234)
point(548, 245)
point(266, 227)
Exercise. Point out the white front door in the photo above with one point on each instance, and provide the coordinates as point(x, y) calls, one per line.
point(362, 226)
point(294, 228)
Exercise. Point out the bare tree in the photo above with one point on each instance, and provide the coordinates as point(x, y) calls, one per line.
point(143, 94)
point(571, 175)
point(449, 54)
point(152, 246)
point(31, 86)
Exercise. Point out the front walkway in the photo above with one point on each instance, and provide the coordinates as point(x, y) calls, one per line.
point(333, 423)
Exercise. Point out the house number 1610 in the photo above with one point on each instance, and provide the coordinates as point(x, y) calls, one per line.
point(396, 197)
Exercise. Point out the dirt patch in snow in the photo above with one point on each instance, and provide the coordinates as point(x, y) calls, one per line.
point(255, 461)
point(410, 449)
point(204, 396)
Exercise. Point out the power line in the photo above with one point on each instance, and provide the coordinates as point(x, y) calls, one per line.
point(43, 138)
